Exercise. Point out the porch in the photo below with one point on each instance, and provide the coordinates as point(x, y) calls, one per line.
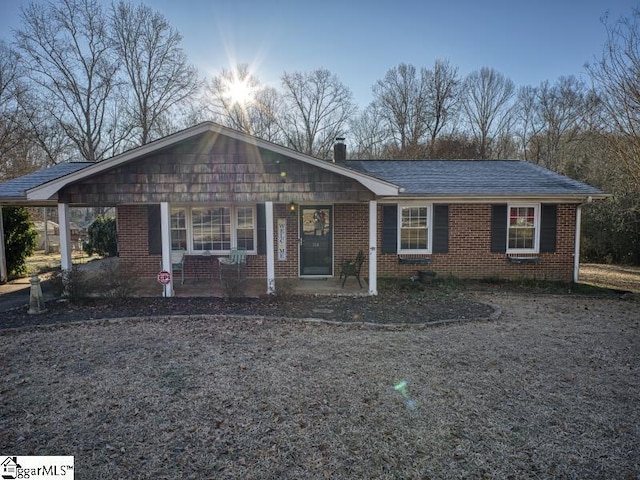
point(253, 287)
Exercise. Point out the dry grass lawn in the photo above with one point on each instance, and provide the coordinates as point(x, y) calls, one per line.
point(549, 390)
point(620, 277)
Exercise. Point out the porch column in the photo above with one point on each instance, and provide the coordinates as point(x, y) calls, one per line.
point(165, 229)
point(373, 253)
point(576, 252)
point(4, 277)
point(66, 262)
point(271, 262)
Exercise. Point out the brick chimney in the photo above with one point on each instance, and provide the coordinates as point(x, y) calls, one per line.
point(339, 150)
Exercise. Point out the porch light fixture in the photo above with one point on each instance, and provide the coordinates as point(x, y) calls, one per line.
point(293, 208)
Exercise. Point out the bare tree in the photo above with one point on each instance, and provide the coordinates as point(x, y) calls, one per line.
point(369, 134)
point(561, 111)
point(11, 125)
point(615, 76)
point(550, 117)
point(526, 115)
point(316, 109)
point(402, 97)
point(443, 96)
point(22, 150)
point(158, 74)
point(487, 106)
point(71, 67)
point(238, 100)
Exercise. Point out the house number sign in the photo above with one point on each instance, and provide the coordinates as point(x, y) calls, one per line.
point(282, 239)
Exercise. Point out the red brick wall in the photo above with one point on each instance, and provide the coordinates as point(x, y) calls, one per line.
point(469, 253)
point(351, 234)
point(133, 242)
point(133, 245)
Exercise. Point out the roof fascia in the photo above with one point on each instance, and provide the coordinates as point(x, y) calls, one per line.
point(582, 198)
point(48, 190)
point(23, 202)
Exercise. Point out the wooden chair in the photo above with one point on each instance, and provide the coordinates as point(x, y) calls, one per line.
point(352, 267)
point(237, 259)
point(177, 263)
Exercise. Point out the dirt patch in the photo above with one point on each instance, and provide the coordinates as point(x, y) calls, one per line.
point(549, 390)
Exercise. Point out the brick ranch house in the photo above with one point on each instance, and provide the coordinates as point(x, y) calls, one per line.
point(208, 189)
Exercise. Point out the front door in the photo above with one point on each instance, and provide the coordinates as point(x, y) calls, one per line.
point(316, 240)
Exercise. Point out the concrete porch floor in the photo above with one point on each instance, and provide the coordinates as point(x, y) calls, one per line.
point(212, 286)
point(254, 287)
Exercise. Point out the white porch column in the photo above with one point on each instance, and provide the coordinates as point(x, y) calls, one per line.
point(4, 277)
point(576, 252)
point(165, 228)
point(271, 262)
point(373, 253)
point(66, 262)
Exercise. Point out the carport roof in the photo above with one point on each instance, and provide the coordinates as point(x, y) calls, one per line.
point(15, 191)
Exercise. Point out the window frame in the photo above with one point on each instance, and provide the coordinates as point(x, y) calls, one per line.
point(234, 209)
point(536, 226)
point(407, 251)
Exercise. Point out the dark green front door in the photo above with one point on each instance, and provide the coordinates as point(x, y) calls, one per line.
point(316, 235)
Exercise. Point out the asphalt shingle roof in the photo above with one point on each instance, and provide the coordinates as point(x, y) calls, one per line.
point(471, 177)
point(16, 189)
point(415, 177)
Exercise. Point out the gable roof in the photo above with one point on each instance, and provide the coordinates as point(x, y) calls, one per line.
point(15, 191)
point(48, 190)
point(465, 179)
point(474, 178)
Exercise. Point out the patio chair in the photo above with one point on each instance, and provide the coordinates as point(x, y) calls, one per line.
point(237, 259)
point(352, 267)
point(177, 263)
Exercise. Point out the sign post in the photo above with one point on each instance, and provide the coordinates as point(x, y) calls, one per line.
point(164, 279)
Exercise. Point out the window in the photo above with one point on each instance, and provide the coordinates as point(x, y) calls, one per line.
point(178, 229)
point(414, 229)
point(245, 228)
point(211, 229)
point(522, 228)
point(214, 229)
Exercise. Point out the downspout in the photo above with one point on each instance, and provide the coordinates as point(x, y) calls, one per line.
point(576, 252)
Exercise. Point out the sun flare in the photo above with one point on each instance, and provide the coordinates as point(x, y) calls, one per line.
point(239, 91)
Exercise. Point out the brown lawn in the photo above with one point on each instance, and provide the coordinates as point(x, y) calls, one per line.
point(549, 390)
point(618, 277)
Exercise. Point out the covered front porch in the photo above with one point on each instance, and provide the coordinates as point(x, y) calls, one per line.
point(252, 287)
point(208, 191)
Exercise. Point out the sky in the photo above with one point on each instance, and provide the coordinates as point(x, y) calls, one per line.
point(528, 41)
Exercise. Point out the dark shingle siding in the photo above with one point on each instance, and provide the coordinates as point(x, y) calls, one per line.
point(16, 189)
point(471, 177)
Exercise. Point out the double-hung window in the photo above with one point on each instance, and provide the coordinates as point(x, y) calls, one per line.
point(414, 228)
point(213, 229)
point(245, 228)
point(179, 229)
point(523, 228)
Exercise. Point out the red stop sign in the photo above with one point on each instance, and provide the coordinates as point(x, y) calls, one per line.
point(164, 277)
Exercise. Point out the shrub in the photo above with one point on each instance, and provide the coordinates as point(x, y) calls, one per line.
point(116, 282)
point(103, 238)
point(19, 238)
